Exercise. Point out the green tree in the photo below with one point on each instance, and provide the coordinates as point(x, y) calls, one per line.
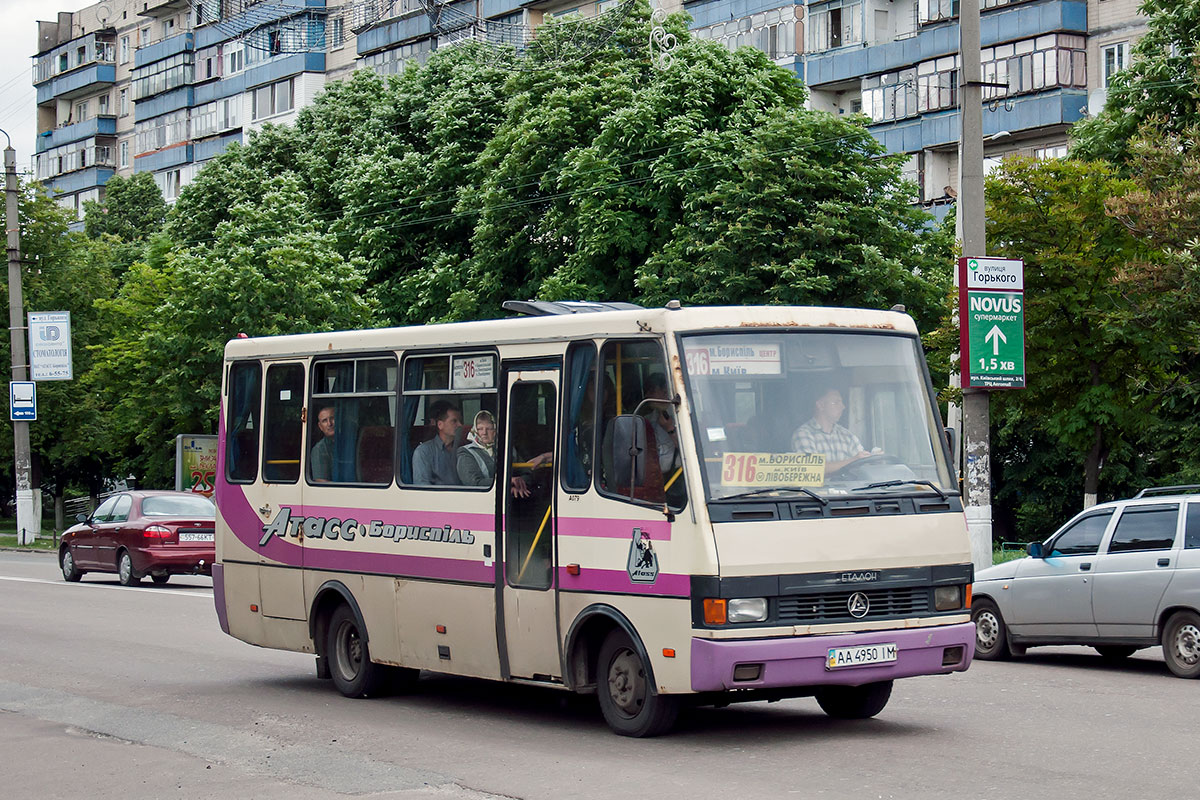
point(1161, 83)
point(265, 270)
point(133, 208)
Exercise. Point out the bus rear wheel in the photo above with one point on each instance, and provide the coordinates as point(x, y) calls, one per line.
point(628, 701)
point(854, 702)
point(350, 665)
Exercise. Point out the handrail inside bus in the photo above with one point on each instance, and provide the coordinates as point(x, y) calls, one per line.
point(533, 546)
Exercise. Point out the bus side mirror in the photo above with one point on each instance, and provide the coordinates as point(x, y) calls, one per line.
point(952, 441)
point(628, 455)
point(1035, 550)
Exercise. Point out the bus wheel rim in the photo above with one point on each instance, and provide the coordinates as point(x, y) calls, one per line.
point(627, 682)
point(349, 651)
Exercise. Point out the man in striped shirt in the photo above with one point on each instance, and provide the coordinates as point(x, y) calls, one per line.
point(822, 434)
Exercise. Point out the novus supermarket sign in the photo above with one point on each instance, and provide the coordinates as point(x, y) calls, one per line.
point(991, 307)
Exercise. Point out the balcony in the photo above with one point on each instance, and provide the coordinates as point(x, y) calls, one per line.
point(1009, 24)
point(162, 159)
point(77, 83)
point(96, 126)
point(162, 49)
point(257, 16)
point(89, 178)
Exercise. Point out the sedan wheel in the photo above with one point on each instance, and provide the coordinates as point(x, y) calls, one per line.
point(1181, 644)
point(67, 562)
point(991, 637)
point(125, 571)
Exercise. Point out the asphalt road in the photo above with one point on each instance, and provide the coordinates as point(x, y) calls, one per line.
point(114, 692)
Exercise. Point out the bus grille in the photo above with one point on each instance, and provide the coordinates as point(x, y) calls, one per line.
point(812, 609)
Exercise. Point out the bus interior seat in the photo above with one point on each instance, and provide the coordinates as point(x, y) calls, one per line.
point(374, 456)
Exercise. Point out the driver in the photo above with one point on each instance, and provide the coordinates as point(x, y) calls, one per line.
point(823, 434)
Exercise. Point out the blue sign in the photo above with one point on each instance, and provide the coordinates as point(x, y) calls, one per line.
point(22, 401)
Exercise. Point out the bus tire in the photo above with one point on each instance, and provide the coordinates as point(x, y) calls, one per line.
point(350, 665)
point(628, 701)
point(854, 702)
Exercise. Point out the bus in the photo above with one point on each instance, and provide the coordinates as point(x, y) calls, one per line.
point(658, 506)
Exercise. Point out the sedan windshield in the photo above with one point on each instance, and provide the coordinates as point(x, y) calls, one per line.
point(814, 414)
point(178, 506)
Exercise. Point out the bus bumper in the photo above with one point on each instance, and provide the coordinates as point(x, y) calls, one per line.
point(802, 661)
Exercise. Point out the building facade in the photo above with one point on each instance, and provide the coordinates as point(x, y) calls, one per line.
point(162, 86)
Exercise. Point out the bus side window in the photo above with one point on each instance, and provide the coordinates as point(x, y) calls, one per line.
point(283, 430)
point(352, 418)
point(579, 446)
point(241, 429)
point(636, 393)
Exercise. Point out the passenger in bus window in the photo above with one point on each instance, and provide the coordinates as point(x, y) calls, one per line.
point(435, 461)
point(321, 458)
point(476, 461)
point(823, 434)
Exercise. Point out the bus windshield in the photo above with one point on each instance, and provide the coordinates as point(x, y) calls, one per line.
point(814, 414)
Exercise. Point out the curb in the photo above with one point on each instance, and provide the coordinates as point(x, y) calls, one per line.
point(6, 549)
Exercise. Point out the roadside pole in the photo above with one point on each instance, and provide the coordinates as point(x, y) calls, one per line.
point(972, 230)
point(27, 527)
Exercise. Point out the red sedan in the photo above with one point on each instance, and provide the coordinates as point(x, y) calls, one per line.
point(135, 534)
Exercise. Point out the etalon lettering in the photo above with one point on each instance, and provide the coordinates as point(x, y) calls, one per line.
point(285, 524)
point(858, 577)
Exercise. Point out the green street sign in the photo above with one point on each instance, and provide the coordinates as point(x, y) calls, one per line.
point(991, 321)
point(994, 356)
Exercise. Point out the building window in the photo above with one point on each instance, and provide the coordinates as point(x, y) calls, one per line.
point(162, 76)
point(234, 57)
point(772, 31)
point(125, 154)
point(124, 49)
point(938, 10)
point(336, 32)
point(102, 105)
point(1032, 65)
point(275, 98)
point(890, 96)
point(937, 84)
point(835, 24)
point(81, 111)
point(168, 28)
point(144, 37)
point(123, 102)
point(1048, 153)
point(1116, 58)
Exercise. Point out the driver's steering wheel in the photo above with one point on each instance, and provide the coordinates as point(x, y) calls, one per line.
point(867, 461)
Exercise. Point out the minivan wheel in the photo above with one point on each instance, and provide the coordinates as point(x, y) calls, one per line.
point(126, 574)
point(350, 665)
point(66, 561)
point(1181, 644)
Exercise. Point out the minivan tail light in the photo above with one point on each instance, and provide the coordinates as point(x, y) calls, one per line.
point(157, 532)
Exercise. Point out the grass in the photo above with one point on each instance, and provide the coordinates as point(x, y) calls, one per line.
point(45, 541)
point(1010, 553)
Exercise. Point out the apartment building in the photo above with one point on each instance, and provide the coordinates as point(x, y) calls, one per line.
point(162, 86)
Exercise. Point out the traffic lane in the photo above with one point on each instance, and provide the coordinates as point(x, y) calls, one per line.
point(44, 564)
point(999, 730)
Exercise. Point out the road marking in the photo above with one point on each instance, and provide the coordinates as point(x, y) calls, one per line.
point(198, 591)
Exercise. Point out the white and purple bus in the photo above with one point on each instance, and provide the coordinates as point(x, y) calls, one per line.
point(658, 506)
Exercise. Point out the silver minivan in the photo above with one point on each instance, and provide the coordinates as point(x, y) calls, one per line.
point(1119, 577)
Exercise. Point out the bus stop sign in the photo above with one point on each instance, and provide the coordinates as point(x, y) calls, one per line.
point(991, 303)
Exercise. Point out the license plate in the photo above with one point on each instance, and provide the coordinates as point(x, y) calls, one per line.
point(195, 537)
point(860, 656)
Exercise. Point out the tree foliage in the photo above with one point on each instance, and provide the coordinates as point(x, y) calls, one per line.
point(1161, 84)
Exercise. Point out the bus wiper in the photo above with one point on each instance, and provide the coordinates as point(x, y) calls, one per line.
point(765, 489)
point(915, 481)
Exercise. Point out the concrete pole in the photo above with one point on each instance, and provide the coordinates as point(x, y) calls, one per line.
point(977, 473)
point(27, 527)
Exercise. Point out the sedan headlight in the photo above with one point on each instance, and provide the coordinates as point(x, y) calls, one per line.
point(747, 609)
point(947, 598)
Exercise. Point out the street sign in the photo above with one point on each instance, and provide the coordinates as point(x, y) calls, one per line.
point(991, 323)
point(22, 401)
point(50, 345)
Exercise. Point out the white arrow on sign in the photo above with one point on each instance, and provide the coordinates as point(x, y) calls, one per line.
point(995, 336)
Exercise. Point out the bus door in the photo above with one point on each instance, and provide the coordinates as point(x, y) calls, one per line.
point(528, 623)
point(280, 486)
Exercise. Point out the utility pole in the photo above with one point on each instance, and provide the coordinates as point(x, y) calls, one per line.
point(27, 527)
point(972, 230)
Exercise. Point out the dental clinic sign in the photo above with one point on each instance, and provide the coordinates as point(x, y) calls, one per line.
point(991, 307)
point(50, 345)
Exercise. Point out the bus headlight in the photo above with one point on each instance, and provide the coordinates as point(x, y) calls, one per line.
point(947, 598)
point(747, 609)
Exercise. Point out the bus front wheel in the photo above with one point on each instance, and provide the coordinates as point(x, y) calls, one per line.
point(350, 665)
point(854, 702)
point(628, 701)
